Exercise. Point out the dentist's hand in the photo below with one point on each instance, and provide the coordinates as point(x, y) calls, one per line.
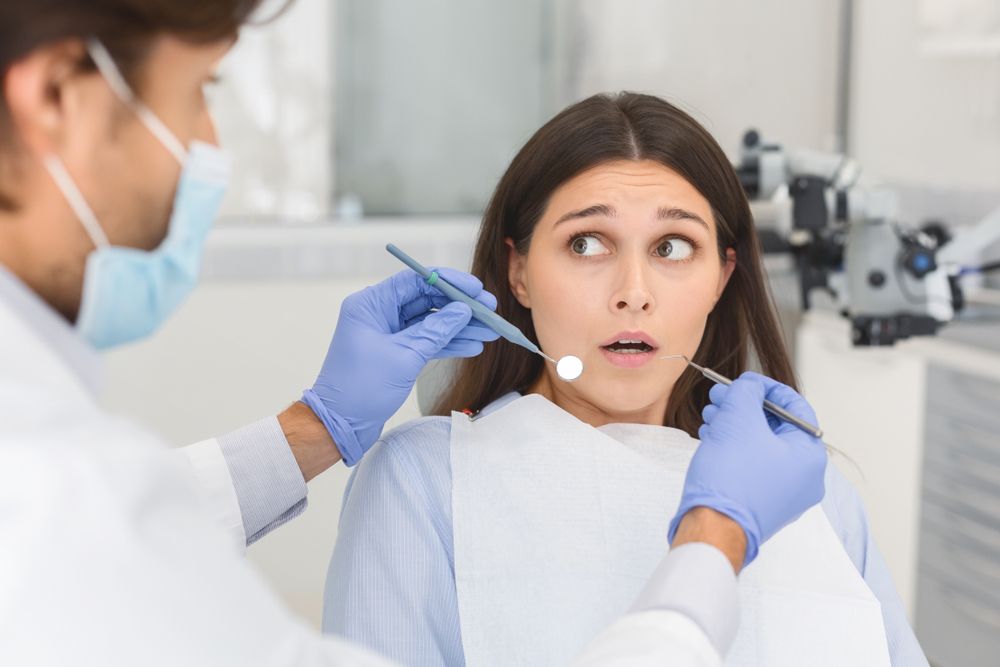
point(385, 336)
point(752, 467)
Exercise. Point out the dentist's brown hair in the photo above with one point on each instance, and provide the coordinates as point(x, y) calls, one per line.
point(595, 131)
point(127, 28)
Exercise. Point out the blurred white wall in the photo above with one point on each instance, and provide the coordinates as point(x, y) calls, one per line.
point(926, 94)
point(922, 114)
point(273, 109)
point(768, 64)
point(434, 97)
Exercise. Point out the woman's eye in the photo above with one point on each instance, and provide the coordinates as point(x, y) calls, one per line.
point(588, 245)
point(675, 249)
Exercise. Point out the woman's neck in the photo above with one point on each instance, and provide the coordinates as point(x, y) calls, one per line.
point(589, 413)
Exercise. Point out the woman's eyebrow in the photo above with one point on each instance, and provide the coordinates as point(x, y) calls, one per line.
point(603, 210)
point(673, 213)
point(607, 211)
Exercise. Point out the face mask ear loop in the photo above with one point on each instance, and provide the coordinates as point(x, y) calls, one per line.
point(76, 201)
point(109, 70)
point(160, 131)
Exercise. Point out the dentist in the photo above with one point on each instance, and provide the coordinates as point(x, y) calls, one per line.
point(114, 549)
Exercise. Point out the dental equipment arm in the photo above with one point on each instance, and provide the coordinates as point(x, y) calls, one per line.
point(890, 281)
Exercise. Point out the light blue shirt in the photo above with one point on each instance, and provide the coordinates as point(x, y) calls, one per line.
point(391, 581)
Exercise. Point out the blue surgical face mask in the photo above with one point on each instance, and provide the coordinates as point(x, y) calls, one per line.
point(129, 293)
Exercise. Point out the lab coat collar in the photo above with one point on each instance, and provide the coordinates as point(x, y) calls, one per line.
point(51, 330)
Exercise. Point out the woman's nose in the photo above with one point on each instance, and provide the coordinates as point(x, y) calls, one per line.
point(633, 294)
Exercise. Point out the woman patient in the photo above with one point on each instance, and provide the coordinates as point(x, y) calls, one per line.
point(619, 234)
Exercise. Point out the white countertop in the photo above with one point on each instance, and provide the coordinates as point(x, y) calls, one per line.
point(977, 355)
point(331, 250)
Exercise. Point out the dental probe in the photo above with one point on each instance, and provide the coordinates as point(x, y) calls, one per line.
point(568, 367)
point(774, 409)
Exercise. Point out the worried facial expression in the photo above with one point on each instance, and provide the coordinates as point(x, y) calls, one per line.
point(622, 268)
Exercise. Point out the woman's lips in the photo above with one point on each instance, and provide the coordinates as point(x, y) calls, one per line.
point(623, 349)
point(628, 359)
point(640, 336)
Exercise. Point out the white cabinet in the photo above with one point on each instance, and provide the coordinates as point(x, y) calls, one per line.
point(958, 584)
point(922, 422)
point(870, 404)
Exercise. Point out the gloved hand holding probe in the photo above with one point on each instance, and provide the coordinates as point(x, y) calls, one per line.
point(385, 336)
point(751, 466)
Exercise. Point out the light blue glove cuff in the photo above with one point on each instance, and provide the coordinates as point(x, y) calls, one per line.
point(341, 432)
point(723, 506)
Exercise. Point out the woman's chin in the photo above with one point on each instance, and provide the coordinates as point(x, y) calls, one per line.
point(628, 400)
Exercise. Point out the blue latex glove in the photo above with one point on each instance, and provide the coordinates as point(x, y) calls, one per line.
point(385, 336)
point(751, 466)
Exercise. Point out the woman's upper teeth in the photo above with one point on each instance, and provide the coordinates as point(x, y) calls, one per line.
point(629, 345)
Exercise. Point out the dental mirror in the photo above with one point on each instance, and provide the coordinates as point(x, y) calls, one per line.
point(569, 368)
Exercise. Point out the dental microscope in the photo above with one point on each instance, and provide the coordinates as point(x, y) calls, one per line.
point(891, 280)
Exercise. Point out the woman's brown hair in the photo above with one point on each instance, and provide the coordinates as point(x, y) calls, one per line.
point(126, 27)
point(598, 130)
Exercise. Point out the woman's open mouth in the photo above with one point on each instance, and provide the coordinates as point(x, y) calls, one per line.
point(629, 349)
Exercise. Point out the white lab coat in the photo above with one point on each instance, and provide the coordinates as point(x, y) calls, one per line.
point(108, 555)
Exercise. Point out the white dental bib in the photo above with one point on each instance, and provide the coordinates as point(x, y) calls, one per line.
point(558, 526)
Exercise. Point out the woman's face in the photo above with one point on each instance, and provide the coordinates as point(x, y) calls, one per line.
point(623, 268)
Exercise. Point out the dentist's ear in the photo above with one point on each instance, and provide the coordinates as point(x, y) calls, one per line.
point(516, 274)
point(47, 94)
point(728, 266)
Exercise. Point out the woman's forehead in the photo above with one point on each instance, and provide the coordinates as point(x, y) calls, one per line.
point(632, 184)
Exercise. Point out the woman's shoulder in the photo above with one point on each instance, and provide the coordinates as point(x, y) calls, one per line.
point(424, 431)
point(406, 474)
point(845, 511)
point(841, 501)
point(405, 480)
point(428, 434)
point(420, 450)
point(424, 434)
point(419, 445)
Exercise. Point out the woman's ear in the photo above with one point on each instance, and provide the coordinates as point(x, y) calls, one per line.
point(515, 274)
point(728, 266)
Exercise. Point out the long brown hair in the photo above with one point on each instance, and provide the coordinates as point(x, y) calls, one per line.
point(595, 131)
